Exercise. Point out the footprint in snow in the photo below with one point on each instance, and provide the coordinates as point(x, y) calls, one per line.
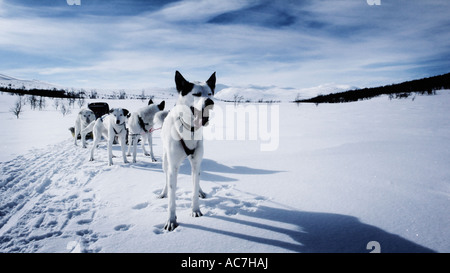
point(140, 206)
point(122, 227)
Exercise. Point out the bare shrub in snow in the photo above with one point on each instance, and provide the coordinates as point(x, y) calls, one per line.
point(17, 109)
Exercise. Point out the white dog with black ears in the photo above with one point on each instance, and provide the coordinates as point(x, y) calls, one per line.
point(141, 125)
point(182, 137)
point(111, 125)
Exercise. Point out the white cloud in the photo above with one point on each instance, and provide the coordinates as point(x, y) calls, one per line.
point(349, 43)
point(199, 10)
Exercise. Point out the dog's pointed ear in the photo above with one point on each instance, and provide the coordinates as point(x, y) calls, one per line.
point(126, 112)
point(161, 105)
point(211, 82)
point(111, 111)
point(150, 102)
point(183, 86)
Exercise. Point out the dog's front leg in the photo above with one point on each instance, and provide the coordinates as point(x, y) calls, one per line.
point(97, 136)
point(84, 131)
point(150, 143)
point(130, 143)
point(133, 143)
point(83, 138)
point(123, 145)
point(144, 139)
point(171, 177)
point(77, 131)
point(195, 165)
point(163, 194)
point(111, 137)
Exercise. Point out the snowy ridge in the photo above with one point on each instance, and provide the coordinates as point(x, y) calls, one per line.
point(8, 81)
point(249, 93)
point(254, 93)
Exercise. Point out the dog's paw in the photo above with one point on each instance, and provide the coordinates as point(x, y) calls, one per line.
point(162, 195)
point(196, 213)
point(170, 225)
point(202, 194)
point(91, 159)
point(154, 159)
point(147, 154)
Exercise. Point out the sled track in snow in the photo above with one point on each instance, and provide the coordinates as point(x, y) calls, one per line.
point(42, 193)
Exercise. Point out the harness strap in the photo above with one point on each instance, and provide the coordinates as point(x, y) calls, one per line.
point(186, 149)
point(192, 129)
point(141, 123)
point(187, 126)
point(120, 130)
point(153, 129)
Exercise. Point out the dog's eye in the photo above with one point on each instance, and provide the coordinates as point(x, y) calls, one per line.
point(197, 94)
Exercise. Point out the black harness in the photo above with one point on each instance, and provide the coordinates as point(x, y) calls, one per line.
point(183, 143)
point(142, 123)
point(102, 117)
point(186, 149)
point(120, 130)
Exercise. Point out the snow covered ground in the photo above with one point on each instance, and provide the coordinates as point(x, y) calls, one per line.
point(341, 176)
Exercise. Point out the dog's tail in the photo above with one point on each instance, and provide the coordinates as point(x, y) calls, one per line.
point(159, 117)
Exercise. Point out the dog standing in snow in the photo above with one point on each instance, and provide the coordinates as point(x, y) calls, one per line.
point(141, 124)
point(84, 118)
point(182, 137)
point(109, 126)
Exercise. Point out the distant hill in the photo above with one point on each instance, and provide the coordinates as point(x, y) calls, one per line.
point(399, 90)
point(15, 83)
point(33, 87)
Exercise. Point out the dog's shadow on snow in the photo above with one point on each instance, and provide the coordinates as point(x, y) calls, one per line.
point(212, 171)
point(316, 232)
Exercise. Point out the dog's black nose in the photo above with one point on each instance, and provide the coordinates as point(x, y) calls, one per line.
point(209, 102)
point(117, 121)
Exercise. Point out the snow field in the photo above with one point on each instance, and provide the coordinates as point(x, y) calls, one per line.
point(343, 175)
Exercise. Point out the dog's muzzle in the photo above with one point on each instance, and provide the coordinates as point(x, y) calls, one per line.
point(202, 115)
point(209, 105)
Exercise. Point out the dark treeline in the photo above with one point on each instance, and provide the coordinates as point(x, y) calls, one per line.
point(51, 93)
point(401, 90)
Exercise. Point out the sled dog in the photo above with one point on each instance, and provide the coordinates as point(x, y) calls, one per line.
point(84, 118)
point(141, 124)
point(110, 125)
point(182, 137)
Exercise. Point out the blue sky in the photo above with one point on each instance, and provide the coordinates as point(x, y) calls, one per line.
point(126, 44)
